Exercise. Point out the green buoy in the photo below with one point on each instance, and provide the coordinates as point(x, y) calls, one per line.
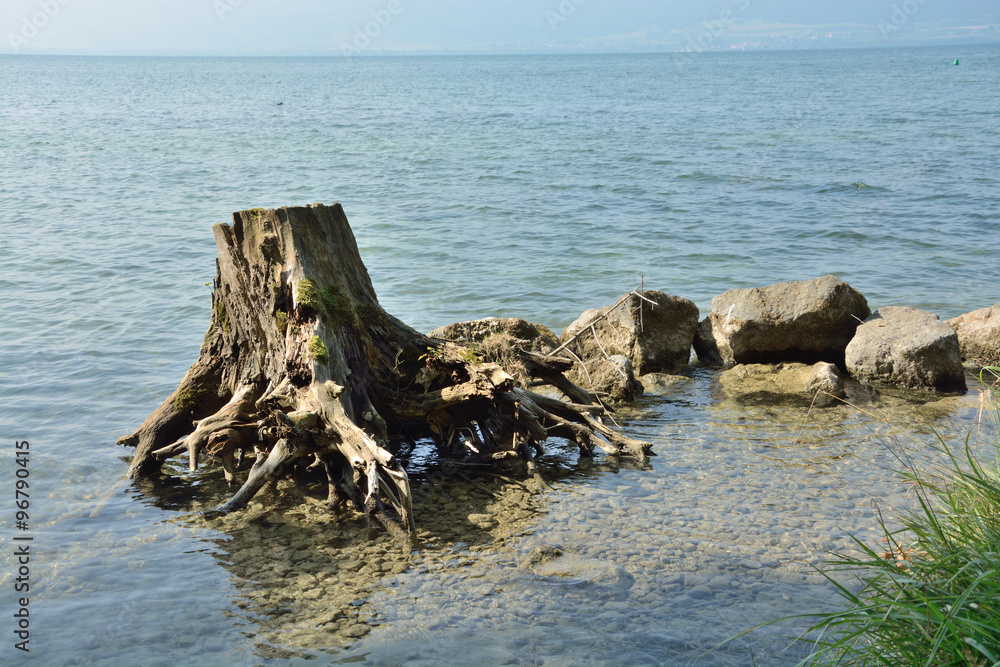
point(956, 61)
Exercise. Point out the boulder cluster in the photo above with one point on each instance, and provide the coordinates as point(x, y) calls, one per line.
point(804, 337)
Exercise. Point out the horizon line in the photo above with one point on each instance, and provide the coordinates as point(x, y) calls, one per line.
point(487, 51)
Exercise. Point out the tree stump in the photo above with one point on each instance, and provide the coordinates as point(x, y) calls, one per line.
point(301, 363)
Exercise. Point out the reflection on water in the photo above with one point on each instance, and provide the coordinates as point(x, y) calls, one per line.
point(306, 576)
point(653, 564)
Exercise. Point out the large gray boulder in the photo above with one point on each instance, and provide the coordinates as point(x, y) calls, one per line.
point(805, 321)
point(979, 337)
point(906, 347)
point(533, 337)
point(657, 339)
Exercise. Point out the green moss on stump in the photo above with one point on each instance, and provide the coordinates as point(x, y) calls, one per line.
point(188, 398)
point(317, 350)
point(221, 316)
point(370, 313)
point(330, 301)
point(336, 303)
point(307, 294)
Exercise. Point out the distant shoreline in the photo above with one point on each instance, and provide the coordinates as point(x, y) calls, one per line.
point(951, 48)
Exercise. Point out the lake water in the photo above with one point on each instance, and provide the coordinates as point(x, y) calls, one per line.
point(526, 186)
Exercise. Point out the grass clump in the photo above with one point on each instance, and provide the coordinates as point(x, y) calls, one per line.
point(502, 348)
point(317, 350)
point(931, 595)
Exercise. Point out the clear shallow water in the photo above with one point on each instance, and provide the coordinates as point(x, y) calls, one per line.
point(533, 187)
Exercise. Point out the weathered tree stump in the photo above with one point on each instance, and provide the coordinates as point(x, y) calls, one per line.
point(301, 363)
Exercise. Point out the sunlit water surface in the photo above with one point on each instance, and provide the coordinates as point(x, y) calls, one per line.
point(527, 186)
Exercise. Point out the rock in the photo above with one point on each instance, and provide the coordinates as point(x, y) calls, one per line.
point(657, 339)
point(786, 379)
point(614, 377)
point(805, 321)
point(574, 569)
point(825, 378)
point(540, 556)
point(723, 581)
point(702, 592)
point(534, 337)
point(908, 348)
point(356, 631)
point(484, 521)
point(979, 337)
point(662, 383)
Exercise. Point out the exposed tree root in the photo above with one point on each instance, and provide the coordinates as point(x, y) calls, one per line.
point(301, 365)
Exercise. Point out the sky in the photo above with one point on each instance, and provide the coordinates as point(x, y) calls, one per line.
point(374, 27)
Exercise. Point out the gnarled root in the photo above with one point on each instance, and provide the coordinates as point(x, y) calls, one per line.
point(300, 363)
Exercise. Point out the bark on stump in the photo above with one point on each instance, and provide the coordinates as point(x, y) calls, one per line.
point(301, 363)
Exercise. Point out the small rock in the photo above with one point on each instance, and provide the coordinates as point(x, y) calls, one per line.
point(356, 631)
point(540, 556)
point(484, 521)
point(701, 592)
point(694, 580)
point(825, 378)
point(662, 383)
